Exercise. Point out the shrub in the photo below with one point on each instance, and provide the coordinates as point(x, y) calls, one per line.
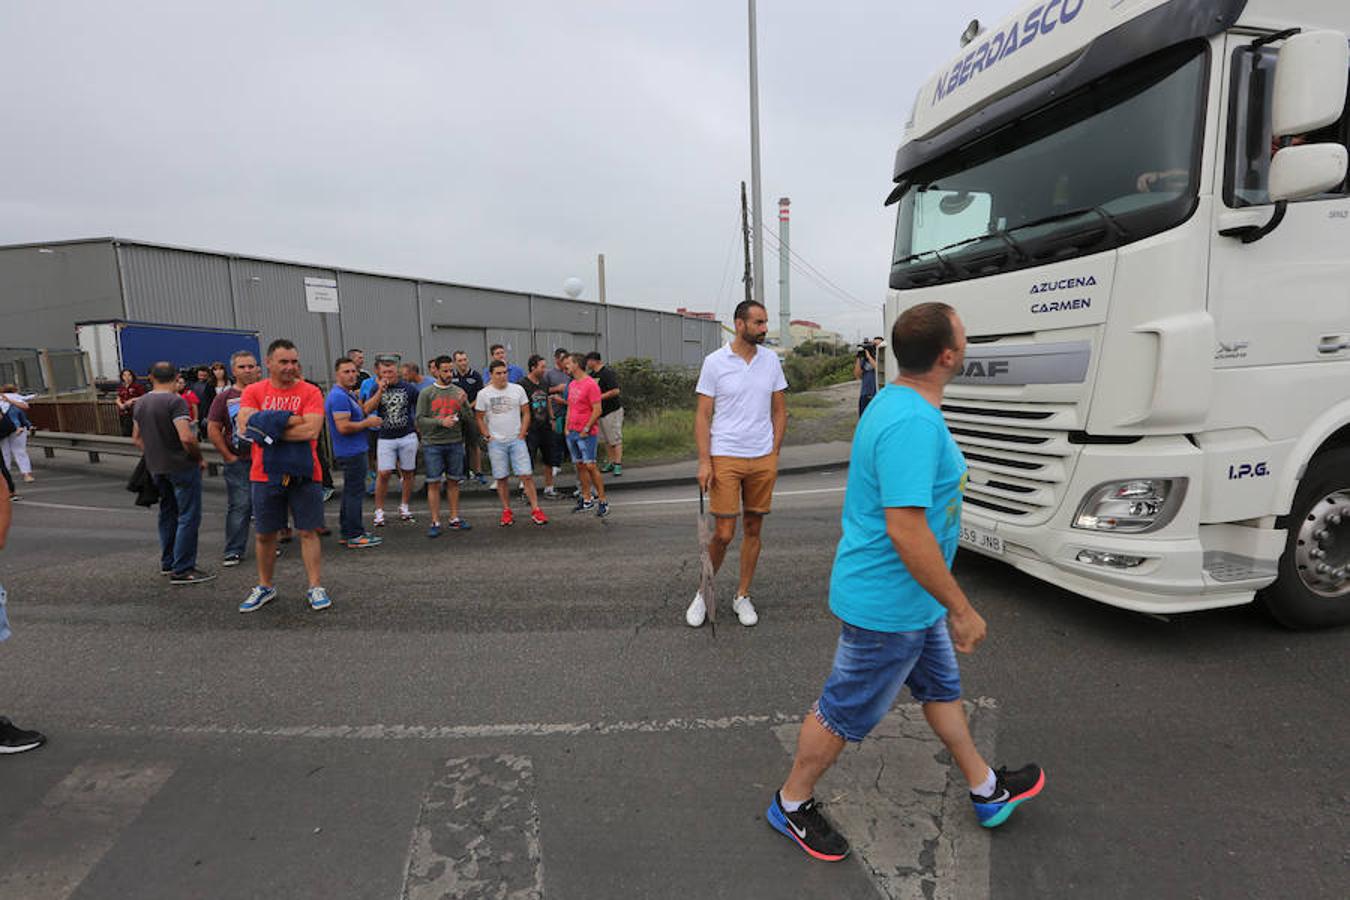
point(806, 372)
point(648, 388)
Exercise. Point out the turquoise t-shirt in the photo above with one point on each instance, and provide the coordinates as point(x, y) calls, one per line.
point(903, 455)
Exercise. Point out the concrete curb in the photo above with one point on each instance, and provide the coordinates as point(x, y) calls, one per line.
point(612, 484)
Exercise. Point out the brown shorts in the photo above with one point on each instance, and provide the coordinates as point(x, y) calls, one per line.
point(742, 484)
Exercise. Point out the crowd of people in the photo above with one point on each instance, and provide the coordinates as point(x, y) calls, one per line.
point(903, 616)
point(275, 432)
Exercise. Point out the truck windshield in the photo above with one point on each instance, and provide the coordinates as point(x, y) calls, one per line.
point(1113, 163)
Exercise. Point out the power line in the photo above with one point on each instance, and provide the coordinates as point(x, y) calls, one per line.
point(726, 266)
point(811, 272)
point(804, 268)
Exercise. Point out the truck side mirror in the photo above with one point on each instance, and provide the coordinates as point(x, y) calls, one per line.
point(1311, 78)
point(1310, 82)
point(1297, 173)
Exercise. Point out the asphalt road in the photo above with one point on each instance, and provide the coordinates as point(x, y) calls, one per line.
point(523, 712)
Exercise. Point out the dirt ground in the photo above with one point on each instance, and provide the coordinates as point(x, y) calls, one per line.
point(826, 414)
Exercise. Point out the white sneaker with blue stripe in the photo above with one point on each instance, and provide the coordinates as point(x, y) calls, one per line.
point(258, 598)
point(318, 598)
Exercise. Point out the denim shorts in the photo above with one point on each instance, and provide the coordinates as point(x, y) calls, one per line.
point(442, 461)
point(581, 446)
point(302, 499)
point(870, 667)
point(4, 618)
point(509, 458)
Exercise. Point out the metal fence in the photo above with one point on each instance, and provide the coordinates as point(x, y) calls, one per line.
point(22, 367)
point(44, 371)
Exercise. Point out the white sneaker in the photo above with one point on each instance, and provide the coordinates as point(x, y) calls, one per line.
point(697, 611)
point(379, 518)
point(745, 610)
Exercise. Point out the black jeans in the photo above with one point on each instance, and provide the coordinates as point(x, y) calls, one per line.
point(353, 469)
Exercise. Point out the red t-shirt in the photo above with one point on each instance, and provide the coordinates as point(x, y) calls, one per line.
point(300, 399)
point(583, 395)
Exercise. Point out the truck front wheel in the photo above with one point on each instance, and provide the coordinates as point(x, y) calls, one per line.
point(1313, 587)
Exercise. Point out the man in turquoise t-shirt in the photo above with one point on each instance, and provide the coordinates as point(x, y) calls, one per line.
point(893, 589)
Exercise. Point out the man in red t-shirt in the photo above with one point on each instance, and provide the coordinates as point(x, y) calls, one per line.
point(583, 411)
point(274, 494)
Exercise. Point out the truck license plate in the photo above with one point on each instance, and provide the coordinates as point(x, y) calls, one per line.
point(980, 539)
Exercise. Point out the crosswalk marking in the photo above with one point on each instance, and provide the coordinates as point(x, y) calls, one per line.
point(905, 810)
point(454, 732)
point(52, 849)
point(477, 833)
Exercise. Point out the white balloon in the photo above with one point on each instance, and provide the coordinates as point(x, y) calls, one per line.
point(572, 287)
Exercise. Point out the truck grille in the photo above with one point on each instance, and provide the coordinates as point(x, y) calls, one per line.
point(1019, 455)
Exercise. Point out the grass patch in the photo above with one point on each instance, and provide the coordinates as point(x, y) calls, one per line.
point(803, 401)
point(666, 434)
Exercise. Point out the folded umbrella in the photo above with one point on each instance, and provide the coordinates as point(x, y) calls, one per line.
point(706, 526)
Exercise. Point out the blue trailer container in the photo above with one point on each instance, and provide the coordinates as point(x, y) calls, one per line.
point(114, 344)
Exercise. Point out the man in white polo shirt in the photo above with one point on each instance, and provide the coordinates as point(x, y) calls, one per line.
point(739, 426)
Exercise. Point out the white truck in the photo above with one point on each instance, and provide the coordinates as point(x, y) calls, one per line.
point(1140, 210)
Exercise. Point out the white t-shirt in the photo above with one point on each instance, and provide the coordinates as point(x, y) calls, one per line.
point(742, 395)
point(503, 410)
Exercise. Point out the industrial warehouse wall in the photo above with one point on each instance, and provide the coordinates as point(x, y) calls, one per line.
point(46, 289)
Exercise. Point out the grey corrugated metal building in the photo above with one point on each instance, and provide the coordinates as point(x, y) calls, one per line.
point(46, 288)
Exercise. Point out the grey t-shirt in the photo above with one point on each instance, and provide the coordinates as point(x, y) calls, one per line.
point(155, 413)
point(552, 378)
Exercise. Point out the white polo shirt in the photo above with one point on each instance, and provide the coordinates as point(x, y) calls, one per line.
point(742, 396)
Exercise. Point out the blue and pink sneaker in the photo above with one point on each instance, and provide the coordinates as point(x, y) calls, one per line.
point(1010, 790)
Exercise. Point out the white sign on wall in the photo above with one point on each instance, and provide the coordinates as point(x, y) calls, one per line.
point(321, 295)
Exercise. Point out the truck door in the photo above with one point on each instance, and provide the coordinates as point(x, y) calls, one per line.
point(1281, 306)
point(1282, 300)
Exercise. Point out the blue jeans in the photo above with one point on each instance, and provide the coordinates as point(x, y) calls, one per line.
point(238, 509)
point(870, 667)
point(353, 469)
point(582, 446)
point(180, 516)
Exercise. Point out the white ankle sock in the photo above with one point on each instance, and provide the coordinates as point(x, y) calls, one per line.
point(985, 788)
point(791, 805)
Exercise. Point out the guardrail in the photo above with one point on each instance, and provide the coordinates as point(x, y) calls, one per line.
point(97, 444)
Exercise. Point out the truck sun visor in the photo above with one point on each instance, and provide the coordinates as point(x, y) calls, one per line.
point(1166, 26)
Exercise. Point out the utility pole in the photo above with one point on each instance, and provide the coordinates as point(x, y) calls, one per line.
point(749, 277)
point(784, 297)
point(600, 262)
point(754, 161)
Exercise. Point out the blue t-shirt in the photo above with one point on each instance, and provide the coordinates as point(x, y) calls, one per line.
point(341, 400)
point(513, 374)
point(903, 455)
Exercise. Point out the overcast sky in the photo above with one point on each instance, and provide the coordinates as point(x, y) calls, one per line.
point(479, 142)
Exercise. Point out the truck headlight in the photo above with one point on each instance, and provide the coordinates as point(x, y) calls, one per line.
point(1131, 507)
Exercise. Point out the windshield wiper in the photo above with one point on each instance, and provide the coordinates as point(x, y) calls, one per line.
point(940, 250)
point(1111, 221)
point(1006, 236)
